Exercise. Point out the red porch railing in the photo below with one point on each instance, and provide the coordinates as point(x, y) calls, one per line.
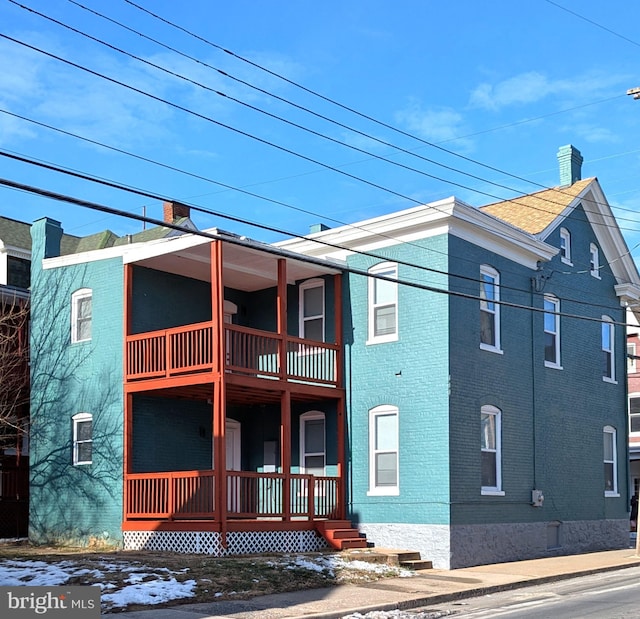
point(181, 350)
point(190, 494)
point(181, 494)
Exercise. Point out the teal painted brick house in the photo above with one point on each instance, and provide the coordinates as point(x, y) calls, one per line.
point(448, 379)
point(486, 409)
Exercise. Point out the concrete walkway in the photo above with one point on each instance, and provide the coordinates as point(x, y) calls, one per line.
point(427, 587)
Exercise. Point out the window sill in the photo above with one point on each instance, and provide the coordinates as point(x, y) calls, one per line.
point(595, 275)
point(381, 340)
point(489, 492)
point(567, 261)
point(497, 351)
point(612, 381)
point(611, 495)
point(384, 492)
point(553, 366)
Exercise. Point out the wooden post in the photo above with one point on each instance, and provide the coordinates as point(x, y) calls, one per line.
point(127, 438)
point(219, 395)
point(285, 452)
point(282, 317)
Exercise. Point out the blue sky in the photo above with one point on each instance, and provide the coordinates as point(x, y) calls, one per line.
point(500, 83)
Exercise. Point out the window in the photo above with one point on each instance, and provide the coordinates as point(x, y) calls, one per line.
point(634, 413)
point(82, 438)
point(383, 451)
point(631, 358)
point(594, 263)
point(565, 245)
point(608, 343)
point(312, 443)
point(490, 447)
point(18, 272)
point(610, 462)
point(312, 310)
point(81, 315)
point(551, 332)
point(489, 309)
point(383, 303)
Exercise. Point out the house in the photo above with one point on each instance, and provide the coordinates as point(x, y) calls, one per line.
point(487, 408)
point(189, 396)
point(445, 378)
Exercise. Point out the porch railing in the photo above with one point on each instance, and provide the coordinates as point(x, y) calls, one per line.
point(181, 350)
point(190, 495)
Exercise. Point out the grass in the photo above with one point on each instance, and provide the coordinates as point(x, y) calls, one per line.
point(217, 578)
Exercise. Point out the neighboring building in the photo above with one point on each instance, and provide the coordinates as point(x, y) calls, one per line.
point(208, 393)
point(633, 385)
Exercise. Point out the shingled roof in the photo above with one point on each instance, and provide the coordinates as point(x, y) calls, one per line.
point(534, 212)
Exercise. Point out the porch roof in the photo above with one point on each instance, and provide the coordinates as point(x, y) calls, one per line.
point(247, 264)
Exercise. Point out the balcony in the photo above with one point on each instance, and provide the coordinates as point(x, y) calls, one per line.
point(250, 352)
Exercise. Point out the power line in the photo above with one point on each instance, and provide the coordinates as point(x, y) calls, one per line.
point(276, 251)
point(236, 219)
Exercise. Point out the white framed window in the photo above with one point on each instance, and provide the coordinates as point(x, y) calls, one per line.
point(82, 438)
point(634, 413)
point(608, 346)
point(81, 315)
point(312, 443)
point(631, 358)
point(383, 303)
point(311, 310)
point(565, 246)
point(594, 260)
point(552, 332)
point(491, 448)
point(610, 459)
point(383, 451)
point(489, 309)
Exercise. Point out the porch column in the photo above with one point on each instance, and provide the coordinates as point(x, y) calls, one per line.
point(127, 459)
point(219, 395)
point(337, 312)
point(285, 452)
point(282, 317)
point(342, 458)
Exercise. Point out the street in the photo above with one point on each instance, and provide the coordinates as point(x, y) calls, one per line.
point(606, 595)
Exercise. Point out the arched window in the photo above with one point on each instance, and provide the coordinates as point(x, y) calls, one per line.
point(82, 438)
point(383, 303)
point(610, 459)
point(489, 308)
point(491, 449)
point(608, 350)
point(312, 443)
point(384, 475)
point(81, 315)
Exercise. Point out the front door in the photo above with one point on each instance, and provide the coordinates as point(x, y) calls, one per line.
point(233, 446)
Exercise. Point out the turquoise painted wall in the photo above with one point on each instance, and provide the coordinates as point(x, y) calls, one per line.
point(412, 374)
point(552, 420)
point(75, 504)
point(171, 435)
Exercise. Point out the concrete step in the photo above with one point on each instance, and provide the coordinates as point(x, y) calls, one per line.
point(386, 556)
point(417, 564)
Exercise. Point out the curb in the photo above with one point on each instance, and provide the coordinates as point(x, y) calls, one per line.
point(461, 595)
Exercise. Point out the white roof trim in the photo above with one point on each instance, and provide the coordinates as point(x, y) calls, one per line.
point(445, 216)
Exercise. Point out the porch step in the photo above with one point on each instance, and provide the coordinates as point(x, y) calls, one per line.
point(340, 534)
point(403, 558)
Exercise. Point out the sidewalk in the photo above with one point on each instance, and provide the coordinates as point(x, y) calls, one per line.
point(427, 587)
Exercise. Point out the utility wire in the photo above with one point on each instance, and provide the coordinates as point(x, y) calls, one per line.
point(266, 227)
point(276, 251)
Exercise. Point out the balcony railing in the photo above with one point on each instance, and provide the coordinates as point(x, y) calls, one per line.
point(190, 349)
point(191, 495)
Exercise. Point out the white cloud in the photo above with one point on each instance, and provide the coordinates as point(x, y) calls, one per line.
point(435, 124)
point(533, 86)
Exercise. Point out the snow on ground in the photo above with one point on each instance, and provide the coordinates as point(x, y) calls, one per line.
point(147, 586)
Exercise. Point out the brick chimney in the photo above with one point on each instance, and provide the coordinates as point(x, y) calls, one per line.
point(570, 161)
point(174, 211)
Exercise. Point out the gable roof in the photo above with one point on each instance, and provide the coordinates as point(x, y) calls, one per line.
point(535, 212)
